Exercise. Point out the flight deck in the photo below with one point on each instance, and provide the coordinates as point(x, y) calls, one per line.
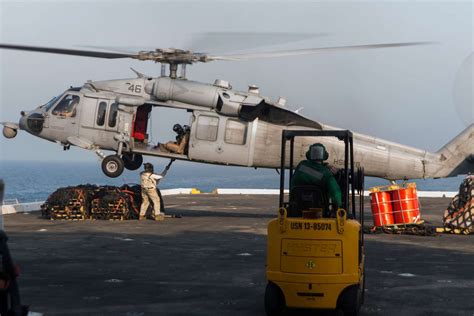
point(212, 262)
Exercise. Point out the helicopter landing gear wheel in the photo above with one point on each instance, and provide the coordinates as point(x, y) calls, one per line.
point(112, 166)
point(132, 161)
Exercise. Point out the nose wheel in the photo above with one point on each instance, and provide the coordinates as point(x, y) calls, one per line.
point(112, 166)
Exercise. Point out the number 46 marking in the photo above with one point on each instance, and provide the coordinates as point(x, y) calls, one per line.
point(135, 88)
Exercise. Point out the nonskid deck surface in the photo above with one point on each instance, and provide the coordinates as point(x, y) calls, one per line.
point(212, 262)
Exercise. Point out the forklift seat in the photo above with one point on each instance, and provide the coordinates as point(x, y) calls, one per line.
point(304, 197)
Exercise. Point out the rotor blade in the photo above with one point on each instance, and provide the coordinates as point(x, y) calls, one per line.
point(131, 50)
point(309, 51)
point(221, 42)
point(63, 51)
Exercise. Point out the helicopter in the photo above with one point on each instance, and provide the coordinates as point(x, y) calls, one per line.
point(227, 127)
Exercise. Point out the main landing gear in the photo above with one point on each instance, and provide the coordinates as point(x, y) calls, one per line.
point(113, 165)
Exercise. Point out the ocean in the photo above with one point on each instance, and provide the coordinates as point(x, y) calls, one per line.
point(29, 181)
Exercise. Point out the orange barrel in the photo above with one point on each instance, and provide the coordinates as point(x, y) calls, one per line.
point(381, 208)
point(406, 209)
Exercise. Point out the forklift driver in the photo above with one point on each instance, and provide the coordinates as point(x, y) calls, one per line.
point(182, 138)
point(314, 171)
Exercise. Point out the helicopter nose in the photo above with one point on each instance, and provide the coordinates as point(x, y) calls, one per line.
point(32, 122)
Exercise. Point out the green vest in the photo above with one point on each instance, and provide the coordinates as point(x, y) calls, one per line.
point(310, 173)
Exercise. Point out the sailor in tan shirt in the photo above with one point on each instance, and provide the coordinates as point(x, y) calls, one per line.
point(149, 180)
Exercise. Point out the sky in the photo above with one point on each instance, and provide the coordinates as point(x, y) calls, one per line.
point(419, 96)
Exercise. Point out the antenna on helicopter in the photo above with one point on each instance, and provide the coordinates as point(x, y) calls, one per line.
point(139, 74)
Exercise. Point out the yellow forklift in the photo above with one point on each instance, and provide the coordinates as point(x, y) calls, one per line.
point(315, 254)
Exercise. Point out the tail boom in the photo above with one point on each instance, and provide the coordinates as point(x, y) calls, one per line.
point(453, 159)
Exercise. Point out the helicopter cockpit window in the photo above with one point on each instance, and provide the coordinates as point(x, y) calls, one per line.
point(113, 115)
point(235, 132)
point(207, 128)
point(50, 104)
point(67, 106)
point(101, 113)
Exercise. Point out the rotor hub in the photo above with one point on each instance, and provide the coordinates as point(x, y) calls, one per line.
point(172, 56)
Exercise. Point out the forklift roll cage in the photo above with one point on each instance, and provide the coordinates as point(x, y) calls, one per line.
point(349, 173)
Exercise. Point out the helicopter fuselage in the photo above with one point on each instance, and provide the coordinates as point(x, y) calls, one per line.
point(227, 127)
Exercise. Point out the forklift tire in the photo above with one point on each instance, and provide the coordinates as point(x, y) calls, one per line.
point(132, 161)
point(274, 300)
point(350, 300)
point(112, 166)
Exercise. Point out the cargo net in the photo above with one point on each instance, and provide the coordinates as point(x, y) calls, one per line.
point(93, 202)
point(69, 203)
point(459, 216)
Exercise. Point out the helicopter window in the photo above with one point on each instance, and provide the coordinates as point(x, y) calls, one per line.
point(207, 128)
point(101, 113)
point(67, 106)
point(235, 132)
point(113, 115)
point(50, 104)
